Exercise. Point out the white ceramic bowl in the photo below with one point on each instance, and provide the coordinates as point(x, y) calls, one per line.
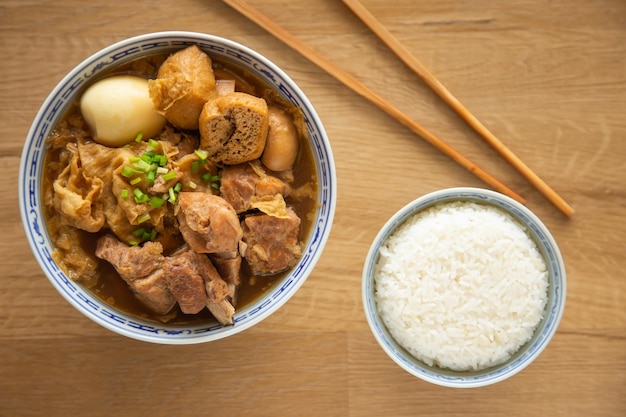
point(545, 329)
point(51, 112)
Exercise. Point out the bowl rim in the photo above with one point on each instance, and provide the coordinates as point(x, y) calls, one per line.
point(31, 205)
point(545, 330)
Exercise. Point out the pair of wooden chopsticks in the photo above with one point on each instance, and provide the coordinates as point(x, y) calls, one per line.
point(430, 80)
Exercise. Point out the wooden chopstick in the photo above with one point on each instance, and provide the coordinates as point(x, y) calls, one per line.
point(429, 79)
point(359, 88)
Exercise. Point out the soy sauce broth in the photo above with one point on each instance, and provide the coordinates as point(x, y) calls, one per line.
point(110, 287)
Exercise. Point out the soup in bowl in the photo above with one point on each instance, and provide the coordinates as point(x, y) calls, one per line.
point(177, 187)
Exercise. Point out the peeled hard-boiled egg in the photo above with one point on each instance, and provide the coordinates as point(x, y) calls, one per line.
point(118, 108)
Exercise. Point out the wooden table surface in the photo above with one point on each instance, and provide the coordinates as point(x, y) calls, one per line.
point(547, 77)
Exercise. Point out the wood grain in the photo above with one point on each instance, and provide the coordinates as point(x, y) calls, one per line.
point(548, 78)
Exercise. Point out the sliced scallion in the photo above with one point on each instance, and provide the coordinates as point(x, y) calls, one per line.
point(156, 202)
point(143, 218)
point(169, 176)
point(202, 154)
point(143, 165)
point(127, 172)
point(140, 196)
point(172, 195)
point(162, 160)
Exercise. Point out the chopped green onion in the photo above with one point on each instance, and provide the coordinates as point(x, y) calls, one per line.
point(206, 176)
point(140, 197)
point(172, 195)
point(145, 234)
point(143, 218)
point(133, 243)
point(124, 194)
point(151, 176)
point(215, 186)
point(146, 158)
point(139, 137)
point(169, 176)
point(178, 187)
point(162, 170)
point(192, 185)
point(153, 143)
point(156, 202)
point(135, 181)
point(143, 165)
point(127, 172)
point(162, 160)
point(202, 154)
point(195, 166)
point(134, 159)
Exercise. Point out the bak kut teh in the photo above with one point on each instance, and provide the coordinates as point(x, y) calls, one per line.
point(179, 188)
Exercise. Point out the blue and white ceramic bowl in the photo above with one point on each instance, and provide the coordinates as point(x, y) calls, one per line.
point(545, 329)
point(52, 110)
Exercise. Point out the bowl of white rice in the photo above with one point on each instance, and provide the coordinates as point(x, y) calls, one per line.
point(464, 287)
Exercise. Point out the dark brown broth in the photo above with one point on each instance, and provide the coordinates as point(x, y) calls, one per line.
point(110, 287)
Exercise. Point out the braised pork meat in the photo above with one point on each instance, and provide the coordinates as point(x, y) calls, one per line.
point(186, 277)
point(185, 282)
point(154, 292)
point(243, 184)
point(272, 242)
point(140, 267)
point(208, 223)
point(130, 262)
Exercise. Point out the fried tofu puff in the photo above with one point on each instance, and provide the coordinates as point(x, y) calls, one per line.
point(184, 83)
point(233, 128)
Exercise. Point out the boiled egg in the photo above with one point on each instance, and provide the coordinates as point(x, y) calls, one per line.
point(119, 108)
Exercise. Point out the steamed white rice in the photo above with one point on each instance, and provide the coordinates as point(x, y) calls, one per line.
point(461, 286)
